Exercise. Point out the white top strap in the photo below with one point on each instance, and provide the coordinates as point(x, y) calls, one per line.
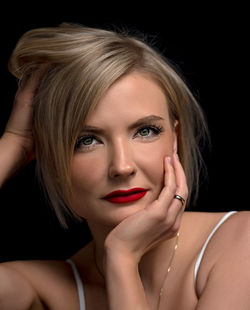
point(79, 284)
point(196, 268)
point(198, 261)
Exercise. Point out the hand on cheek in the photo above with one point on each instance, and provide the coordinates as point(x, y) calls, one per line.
point(174, 184)
point(159, 221)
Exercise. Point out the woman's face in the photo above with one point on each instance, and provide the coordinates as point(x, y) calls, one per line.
point(122, 147)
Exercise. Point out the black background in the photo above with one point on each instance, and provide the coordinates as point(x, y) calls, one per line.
point(208, 45)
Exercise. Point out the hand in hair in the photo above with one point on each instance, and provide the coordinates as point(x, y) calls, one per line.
point(17, 144)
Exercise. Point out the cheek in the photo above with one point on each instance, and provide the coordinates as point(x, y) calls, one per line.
point(155, 169)
point(152, 162)
point(86, 172)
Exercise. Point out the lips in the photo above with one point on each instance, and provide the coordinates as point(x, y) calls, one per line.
point(125, 196)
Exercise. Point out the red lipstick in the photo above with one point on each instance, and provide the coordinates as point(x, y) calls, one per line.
point(125, 196)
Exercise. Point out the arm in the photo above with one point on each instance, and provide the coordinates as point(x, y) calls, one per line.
point(16, 293)
point(138, 234)
point(16, 144)
point(124, 286)
point(227, 286)
point(12, 156)
point(16, 150)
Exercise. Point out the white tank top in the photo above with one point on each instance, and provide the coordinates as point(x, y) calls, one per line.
point(78, 280)
point(79, 285)
point(198, 261)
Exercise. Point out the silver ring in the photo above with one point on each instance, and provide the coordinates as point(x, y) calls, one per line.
point(182, 200)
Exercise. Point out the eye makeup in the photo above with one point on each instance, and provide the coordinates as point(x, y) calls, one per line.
point(148, 131)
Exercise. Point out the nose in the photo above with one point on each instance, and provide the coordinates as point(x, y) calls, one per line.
point(121, 161)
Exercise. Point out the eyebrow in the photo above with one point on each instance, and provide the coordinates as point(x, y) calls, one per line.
point(138, 123)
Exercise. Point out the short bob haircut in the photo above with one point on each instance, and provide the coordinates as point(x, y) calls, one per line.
point(85, 62)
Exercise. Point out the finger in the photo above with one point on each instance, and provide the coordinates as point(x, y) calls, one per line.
point(179, 218)
point(175, 213)
point(176, 206)
point(169, 188)
point(181, 184)
point(176, 224)
point(37, 75)
point(29, 84)
point(20, 120)
point(180, 196)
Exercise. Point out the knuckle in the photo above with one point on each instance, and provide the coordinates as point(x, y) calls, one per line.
point(175, 228)
point(169, 222)
point(160, 216)
point(183, 191)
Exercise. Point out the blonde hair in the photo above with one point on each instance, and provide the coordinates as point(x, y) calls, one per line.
point(85, 62)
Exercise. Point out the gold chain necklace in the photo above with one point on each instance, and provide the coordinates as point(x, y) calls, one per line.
point(166, 275)
point(168, 270)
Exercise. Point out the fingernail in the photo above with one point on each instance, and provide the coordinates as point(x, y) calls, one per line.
point(169, 160)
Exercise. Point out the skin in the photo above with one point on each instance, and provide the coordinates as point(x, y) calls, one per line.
point(134, 242)
point(122, 158)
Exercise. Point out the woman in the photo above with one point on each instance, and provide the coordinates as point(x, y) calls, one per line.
point(107, 116)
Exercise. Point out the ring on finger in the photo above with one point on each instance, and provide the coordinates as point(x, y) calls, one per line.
point(182, 200)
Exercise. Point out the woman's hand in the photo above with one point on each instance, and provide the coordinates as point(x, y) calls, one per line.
point(20, 121)
point(17, 143)
point(133, 237)
point(159, 221)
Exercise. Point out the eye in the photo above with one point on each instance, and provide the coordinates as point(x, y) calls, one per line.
point(86, 142)
point(149, 131)
point(144, 131)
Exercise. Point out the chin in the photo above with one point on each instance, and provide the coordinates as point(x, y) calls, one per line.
point(121, 212)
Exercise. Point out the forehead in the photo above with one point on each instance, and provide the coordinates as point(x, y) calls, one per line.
point(131, 97)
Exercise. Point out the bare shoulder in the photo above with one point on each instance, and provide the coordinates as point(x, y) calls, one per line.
point(224, 274)
point(234, 229)
point(210, 218)
point(44, 281)
point(233, 237)
point(15, 291)
point(48, 268)
point(198, 225)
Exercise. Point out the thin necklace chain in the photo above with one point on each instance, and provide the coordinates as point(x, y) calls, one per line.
point(168, 270)
point(165, 277)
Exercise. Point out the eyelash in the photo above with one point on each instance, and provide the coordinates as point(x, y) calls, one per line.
point(155, 129)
